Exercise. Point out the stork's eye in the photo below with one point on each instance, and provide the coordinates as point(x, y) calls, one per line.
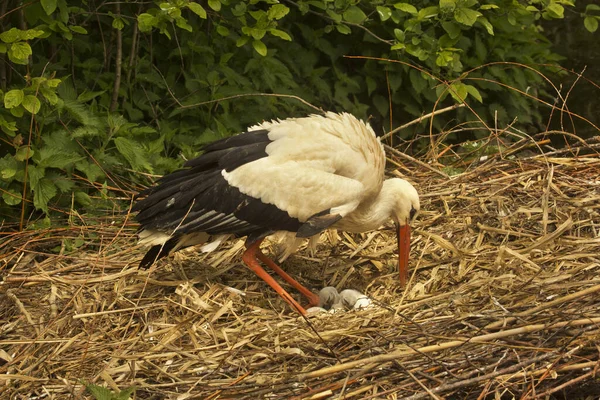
point(412, 213)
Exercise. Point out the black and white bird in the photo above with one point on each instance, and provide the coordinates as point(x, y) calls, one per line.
point(298, 175)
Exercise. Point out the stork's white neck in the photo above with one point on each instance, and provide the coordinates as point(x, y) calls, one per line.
point(394, 201)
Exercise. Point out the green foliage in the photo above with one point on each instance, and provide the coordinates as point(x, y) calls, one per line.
point(102, 393)
point(75, 132)
point(591, 17)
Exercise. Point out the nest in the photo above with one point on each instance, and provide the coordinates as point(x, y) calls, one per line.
point(503, 302)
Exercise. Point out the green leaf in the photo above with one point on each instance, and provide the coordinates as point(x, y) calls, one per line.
point(214, 4)
point(63, 183)
point(31, 34)
point(83, 198)
point(556, 10)
point(343, 29)
point(277, 11)
point(17, 111)
point(259, 47)
point(11, 35)
point(258, 15)
point(13, 98)
point(197, 9)
point(78, 29)
point(222, 30)
point(381, 104)
point(466, 16)
point(32, 104)
point(87, 96)
point(242, 41)
point(35, 174)
point(99, 392)
point(117, 23)
point(458, 91)
point(399, 34)
point(592, 7)
point(19, 52)
point(256, 33)
point(492, 6)
point(371, 85)
point(447, 5)
point(280, 34)
point(443, 59)
point(49, 157)
point(428, 12)
point(90, 169)
point(417, 81)
point(50, 95)
point(452, 29)
point(334, 16)
point(8, 167)
point(472, 90)
point(133, 153)
point(49, 6)
point(146, 21)
point(125, 394)
point(3, 48)
point(183, 24)
point(43, 223)
point(23, 153)
point(43, 192)
point(591, 24)
point(53, 82)
point(487, 25)
point(239, 9)
point(407, 8)
point(384, 12)
point(11, 197)
point(354, 15)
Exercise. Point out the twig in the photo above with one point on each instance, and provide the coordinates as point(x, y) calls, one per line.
point(237, 96)
point(422, 118)
point(118, 61)
point(445, 345)
point(392, 150)
point(544, 306)
point(564, 385)
point(470, 381)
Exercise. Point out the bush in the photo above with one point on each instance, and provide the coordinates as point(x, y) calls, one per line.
point(97, 100)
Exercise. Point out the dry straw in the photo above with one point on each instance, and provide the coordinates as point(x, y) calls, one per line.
point(504, 301)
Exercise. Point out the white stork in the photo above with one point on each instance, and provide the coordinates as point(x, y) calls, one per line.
point(300, 175)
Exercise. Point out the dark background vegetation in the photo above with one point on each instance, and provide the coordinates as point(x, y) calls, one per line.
point(581, 52)
point(101, 97)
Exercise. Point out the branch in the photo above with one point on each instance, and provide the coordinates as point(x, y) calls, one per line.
point(118, 61)
point(483, 339)
point(468, 382)
point(400, 154)
point(328, 18)
point(422, 118)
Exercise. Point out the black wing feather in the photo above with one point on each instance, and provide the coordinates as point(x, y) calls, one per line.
point(182, 200)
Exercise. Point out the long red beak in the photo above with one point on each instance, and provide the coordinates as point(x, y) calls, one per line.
point(403, 252)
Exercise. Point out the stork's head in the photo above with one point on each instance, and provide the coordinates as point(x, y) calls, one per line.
point(405, 207)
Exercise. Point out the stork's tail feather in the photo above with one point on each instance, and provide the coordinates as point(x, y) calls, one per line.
point(157, 252)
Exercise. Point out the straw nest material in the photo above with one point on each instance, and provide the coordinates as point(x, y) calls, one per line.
point(504, 301)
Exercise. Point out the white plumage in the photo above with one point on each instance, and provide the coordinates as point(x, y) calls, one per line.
point(299, 175)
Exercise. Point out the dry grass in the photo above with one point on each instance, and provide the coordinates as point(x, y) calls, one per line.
point(504, 301)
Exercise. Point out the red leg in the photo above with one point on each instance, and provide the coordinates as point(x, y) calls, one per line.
point(249, 258)
point(313, 299)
